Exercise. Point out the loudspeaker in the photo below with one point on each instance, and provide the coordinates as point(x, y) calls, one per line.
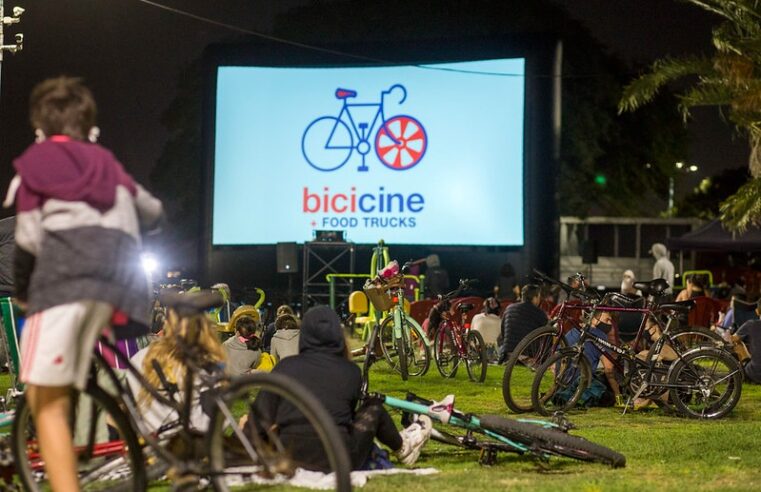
point(589, 252)
point(287, 258)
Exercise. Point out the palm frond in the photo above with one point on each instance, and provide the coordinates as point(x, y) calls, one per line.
point(705, 95)
point(738, 12)
point(644, 88)
point(743, 209)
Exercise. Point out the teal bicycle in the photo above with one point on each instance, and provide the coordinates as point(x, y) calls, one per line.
point(491, 434)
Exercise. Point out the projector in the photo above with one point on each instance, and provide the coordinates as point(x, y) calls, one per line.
point(329, 236)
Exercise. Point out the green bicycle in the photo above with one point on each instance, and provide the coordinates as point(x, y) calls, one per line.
point(403, 343)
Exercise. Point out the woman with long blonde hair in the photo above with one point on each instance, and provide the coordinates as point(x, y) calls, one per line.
point(197, 332)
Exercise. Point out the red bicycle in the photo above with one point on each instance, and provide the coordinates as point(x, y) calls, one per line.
point(454, 341)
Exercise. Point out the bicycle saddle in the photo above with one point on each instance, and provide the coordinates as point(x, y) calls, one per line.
point(652, 287)
point(465, 307)
point(681, 306)
point(345, 93)
point(191, 303)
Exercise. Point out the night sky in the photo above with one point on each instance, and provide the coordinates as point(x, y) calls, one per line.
point(131, 55)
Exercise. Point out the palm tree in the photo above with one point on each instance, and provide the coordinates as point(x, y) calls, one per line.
point(729, 78)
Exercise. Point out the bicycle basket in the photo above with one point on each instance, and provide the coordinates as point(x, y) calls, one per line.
point(378, 295)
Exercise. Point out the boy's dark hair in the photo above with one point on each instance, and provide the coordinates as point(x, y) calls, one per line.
point(529, 291)
point(62, 106)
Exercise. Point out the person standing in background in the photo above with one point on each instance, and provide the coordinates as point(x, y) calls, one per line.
point(663, 267)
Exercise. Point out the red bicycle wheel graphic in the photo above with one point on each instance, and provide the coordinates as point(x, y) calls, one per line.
point(401, 142)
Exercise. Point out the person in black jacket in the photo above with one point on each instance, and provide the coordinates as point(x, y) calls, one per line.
point(520, 319)
point(322, 366)
point(7, 245)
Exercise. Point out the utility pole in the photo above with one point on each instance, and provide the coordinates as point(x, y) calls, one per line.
point(18, 37)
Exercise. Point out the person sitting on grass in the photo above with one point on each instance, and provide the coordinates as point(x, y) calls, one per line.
point(285, 342)
point(244, 347)
point(322, 365)
point(520, 319)
point(747, 345)
point(166, 351)
point(488, 324)
point(270, 330)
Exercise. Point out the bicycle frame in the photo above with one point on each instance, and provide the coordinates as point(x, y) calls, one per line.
point(402, 320)
point(363, 130)
point(458, 419)
point(183, 409)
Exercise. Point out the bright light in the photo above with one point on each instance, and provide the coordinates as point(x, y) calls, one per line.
point(679, 165)
point(150, 263)
point(693, 168)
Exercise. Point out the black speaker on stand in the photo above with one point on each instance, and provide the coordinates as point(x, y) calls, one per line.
point(288, 262)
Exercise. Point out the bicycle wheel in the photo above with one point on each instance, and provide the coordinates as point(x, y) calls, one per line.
point(475, 361)
point(245, 446)
point(560, 381)
point(109, 456)
point(410, 146)
point(521, 366)
point(445, 351)
point(706, 383)
point(401, 353)
point(552, 441)
point(417, 354)
point(691, 338)
point(327, 143)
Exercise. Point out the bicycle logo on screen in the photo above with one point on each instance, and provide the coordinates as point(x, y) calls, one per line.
point(400, 142)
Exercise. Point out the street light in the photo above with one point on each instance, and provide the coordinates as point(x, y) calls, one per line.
point(681, 167)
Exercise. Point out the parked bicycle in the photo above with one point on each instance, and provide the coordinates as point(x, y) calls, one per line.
point(109, 428)
point(402, 340)
point(453, 340)
point(536, 347)
point(491, 434)
point(329, 141)
point(701, 382)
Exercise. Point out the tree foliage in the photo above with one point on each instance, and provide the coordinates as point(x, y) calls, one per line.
point(729, 77)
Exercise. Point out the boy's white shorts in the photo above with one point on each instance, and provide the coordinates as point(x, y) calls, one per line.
point(57, 344)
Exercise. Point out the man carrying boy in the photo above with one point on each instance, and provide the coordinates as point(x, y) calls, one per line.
point(77, 259)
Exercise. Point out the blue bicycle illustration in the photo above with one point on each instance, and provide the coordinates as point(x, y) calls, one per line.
point(400, 142)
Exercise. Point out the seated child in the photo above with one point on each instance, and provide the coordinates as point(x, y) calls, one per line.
point(243, 349)
point(285, 342)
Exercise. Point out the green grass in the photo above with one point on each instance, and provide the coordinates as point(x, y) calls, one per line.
point(663, 452)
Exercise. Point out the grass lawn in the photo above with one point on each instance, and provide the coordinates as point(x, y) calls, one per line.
point(663, 453)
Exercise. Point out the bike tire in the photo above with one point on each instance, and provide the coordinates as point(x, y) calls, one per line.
point(690, 370)
point(418, 355)
point(572, 366)
point(445, 351)
point(121, 470)
point(338, 159)
point(552, 441)
point(239, 396)
point(475, 361)
point(401, 353)
point(529, 349)
point(694, 337)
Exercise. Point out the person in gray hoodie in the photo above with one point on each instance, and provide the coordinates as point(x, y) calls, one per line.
point(285, 341)
point(244, 348)
point(663, 267)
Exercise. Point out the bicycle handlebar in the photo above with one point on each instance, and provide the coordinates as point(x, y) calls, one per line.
point(581, 293)
point(392, 89)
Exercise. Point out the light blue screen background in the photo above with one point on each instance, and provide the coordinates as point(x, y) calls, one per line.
point(471, 175)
